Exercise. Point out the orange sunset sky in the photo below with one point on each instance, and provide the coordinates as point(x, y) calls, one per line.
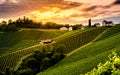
point(61, 11)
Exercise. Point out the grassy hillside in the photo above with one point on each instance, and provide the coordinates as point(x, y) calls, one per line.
point(83, 60)
point(84, 34)
point(110, 32)
point(78, 39)
point(15, 45)
point(12, 41)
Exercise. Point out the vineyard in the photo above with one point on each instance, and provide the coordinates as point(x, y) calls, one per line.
point(15, 45)
point(13, 41)
point(87, 58)
point(11, 60)
point(78, 39)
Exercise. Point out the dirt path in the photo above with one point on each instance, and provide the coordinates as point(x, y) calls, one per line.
point(87, 43)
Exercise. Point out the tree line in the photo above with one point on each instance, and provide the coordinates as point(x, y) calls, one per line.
point(11, 25)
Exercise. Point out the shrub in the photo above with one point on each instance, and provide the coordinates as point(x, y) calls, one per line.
point(111, 67)
point(45, 63)
point(60, 49)
point(25, 72)
point(32, 63)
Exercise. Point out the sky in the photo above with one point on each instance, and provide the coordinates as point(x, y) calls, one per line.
point(61, 11)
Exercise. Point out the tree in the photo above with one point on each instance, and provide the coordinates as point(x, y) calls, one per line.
point(45, 64)
point(60, 49)
point(11, 27)
point(4, 23)
point(2, 73)
point(57, 57)
point(27, 71)
point(89, 23)
point(9, 21)
point(32, 63)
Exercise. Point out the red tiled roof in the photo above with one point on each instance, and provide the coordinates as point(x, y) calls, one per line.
point(109, 22)
point(45, 41)
point(97, 24)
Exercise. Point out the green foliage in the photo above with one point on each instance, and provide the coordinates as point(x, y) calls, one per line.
point(41, 60)
point(46, 63)
point(7, 28)
point(12, 41)
point(60, 49)
point(25, 72)
point(56, 57)
point(2, 73)
point(32, 63)
point(86, 58)
point(111, 67)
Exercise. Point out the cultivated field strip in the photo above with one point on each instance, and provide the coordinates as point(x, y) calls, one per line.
point(79, 39)
point(71, 42)
point(10, 60)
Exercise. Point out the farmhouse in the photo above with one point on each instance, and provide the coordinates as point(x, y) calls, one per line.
point(107, 23)
point(97, 24)
point(47, 41)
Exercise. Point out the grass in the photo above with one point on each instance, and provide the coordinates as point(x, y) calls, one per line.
point(85, 59)
point(15, 57)
point(72, 33)
point(110, 32)
point(12, 41)
point(78, 39)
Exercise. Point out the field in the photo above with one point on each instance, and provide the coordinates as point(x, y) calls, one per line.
point(84, 35)
point(78, 39)
point(15, 45)
point(85, 49)
point(88, 57)
point(12, 41)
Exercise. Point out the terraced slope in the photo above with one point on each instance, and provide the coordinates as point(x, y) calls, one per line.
point(86, 58)
point(12, 44)
point(79, 39)
point(12, 59)
point(13, 41)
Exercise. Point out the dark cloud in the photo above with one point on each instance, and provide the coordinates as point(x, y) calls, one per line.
point(116, 2)
point(24, 6)
point(90, 8)
point(9, 8)
point(66, 5)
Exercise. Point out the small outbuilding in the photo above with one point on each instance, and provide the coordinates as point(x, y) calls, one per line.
point(63, 28)
point(70, 28)
point(97, 24)
point(47, 41)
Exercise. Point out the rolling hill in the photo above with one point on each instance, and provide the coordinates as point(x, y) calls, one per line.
point(82, 37)
point(88, 57)
point(12, 41)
